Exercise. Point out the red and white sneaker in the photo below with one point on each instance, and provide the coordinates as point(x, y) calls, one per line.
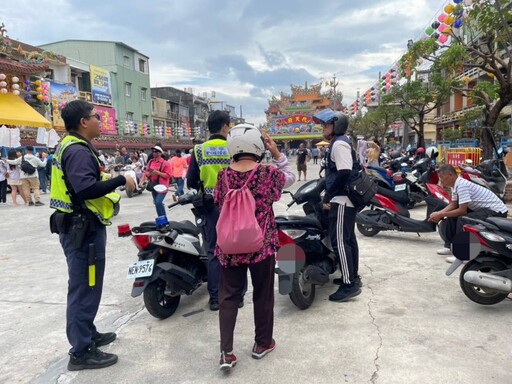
point(258, 351)
point(227, 361)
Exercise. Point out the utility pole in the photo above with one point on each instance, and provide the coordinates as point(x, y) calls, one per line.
point(334, 97)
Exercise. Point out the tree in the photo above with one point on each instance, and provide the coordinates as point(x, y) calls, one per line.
point(481, 42)
point(417, 98)
point(376, 122)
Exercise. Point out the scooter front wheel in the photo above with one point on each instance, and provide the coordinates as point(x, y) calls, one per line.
point(303, 293)
point(157, 302)
point(484, 296)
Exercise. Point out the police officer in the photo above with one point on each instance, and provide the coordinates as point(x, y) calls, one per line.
point(206, 162)
point(84, 204)
point(342, 167)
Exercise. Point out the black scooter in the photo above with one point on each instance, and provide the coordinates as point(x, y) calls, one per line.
point(388, 211)
point(306, 258)
point(487, 276)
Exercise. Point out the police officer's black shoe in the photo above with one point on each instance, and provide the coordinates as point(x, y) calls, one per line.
point(214, 304)
point(93, 358)
point(101, 339)
point(344, 293)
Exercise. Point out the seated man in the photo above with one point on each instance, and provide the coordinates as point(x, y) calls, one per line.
point(468, 199)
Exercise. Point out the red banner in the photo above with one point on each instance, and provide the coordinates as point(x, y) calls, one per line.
point(108, 120)
point(294, 119)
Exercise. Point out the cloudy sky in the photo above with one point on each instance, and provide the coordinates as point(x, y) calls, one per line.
point(244, 50)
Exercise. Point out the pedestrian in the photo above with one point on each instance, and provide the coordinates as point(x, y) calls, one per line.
point(247, 147)
point(30, 181)
point(14, 177)
point(179, 167)
point(315, 152)
point(83, 207)
point(4, 175)
point(468, 199)
point(41, 174)
point(206, 162)
point(158, 170)
point(302, 158)
point(340, 160)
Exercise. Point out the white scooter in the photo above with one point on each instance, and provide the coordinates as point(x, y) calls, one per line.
point(129, 171)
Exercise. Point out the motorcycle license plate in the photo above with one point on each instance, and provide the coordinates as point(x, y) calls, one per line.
point(400, 187)
point(140, 269)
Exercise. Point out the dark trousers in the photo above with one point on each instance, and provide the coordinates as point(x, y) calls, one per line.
point(454, 225)
point(83, 301)
point(3, 191)
point(210, 240)
point(232, 285)
point(342, 220)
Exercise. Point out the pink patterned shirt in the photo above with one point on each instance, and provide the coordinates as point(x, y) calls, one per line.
point(266, 186)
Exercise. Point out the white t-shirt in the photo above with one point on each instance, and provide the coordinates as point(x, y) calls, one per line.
point(476, 196)
point(341, 154)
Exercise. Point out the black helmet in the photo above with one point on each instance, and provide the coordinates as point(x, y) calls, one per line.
point(327, 116)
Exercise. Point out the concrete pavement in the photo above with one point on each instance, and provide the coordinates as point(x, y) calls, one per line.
point(411, 324)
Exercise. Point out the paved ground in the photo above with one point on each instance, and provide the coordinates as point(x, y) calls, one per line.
point(411, 324)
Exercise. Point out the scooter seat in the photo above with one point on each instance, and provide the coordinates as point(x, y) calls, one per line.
point(298, 220)
point(185, 226)
point(501, 222)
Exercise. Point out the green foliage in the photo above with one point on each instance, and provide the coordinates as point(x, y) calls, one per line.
point(451, 134)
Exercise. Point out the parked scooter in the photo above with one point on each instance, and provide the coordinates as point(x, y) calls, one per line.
point(307, 235)
point(491, 174)
point(487, 276)
point(172, 261)
point(129, 171)
point(388, 211)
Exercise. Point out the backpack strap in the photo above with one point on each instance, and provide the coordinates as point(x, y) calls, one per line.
point(246, 181)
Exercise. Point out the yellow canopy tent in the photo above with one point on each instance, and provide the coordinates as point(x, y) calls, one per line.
point(322, 144)
point(15, 111)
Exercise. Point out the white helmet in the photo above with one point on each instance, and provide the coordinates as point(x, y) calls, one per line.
point(432, 152)
point(245, 138)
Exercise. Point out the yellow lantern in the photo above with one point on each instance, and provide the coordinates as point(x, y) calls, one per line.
point(466, 79)
point(449, 8)
point(447, 30)
point(37, 82)
point(39, 97)
point(449, 20)
point(491, 75)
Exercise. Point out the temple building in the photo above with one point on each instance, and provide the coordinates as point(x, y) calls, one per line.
point(289, 117)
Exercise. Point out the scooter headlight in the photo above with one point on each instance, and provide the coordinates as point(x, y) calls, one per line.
point(492, 237)
point(294, 233)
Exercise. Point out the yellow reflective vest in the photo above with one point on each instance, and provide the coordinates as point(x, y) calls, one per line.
point(60, 198)
point(211, 156)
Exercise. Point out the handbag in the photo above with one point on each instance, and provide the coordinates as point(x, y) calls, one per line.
point(361, 190)
point(150, 186)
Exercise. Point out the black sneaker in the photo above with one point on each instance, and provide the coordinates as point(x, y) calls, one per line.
point(241, 303)
point(214, 304)
point(30, 203)
point(227, 361)
point(344, 293)
point(357, 281)
point(38, 204)
point(101, 339)
point(93, 358)
point(258, 351)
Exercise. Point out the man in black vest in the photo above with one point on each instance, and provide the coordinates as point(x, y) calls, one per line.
point(341, 167)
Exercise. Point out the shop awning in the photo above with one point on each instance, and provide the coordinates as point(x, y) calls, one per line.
point(15, 111)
